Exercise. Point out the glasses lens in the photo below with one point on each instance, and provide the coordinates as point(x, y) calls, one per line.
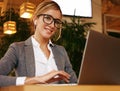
point(47, 19)
point(58, 23)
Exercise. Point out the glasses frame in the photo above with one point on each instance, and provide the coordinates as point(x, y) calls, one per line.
point(57, 22)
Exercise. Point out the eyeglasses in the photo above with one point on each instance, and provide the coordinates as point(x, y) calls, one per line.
point(48, 19)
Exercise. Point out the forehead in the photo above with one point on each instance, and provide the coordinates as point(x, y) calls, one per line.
point(54, 13)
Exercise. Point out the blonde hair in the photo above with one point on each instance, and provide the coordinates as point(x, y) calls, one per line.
point(44, 6)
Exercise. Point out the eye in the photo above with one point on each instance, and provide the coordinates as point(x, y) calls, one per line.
point(48, 18)
point(57, 21)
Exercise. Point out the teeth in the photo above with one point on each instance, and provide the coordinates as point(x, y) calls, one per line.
point(50, 30)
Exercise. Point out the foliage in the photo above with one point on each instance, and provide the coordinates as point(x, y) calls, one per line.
point(23, 30)
point(73, 38)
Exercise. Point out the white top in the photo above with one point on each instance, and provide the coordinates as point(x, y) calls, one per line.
point(42, 64)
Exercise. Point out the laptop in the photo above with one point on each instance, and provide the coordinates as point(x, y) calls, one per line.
point(101, 60)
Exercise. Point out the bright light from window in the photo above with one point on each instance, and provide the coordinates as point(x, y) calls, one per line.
point(81, 8)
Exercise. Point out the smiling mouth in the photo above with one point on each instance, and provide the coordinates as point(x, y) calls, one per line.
point(49, 30)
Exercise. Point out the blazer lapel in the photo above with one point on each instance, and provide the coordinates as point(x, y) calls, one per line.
point(57, 58)
point(30, 60)
point(29, 57)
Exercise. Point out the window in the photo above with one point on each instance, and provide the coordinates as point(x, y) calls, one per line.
point(82, 8)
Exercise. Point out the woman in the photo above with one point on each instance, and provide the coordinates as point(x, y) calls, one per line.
point(37, 60)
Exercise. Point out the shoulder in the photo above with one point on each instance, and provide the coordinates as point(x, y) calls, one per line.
point(21, 43)
point(18, 48)
point(17, 44)
point(59, 47)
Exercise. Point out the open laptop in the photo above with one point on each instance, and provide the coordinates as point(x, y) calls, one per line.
point(101, 60)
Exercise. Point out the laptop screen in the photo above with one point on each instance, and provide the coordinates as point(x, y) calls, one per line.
point(101, 60)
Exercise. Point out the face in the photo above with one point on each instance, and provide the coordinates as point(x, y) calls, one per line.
point(48, 23)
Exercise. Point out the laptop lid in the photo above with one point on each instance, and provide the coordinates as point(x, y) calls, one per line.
point(101, 60)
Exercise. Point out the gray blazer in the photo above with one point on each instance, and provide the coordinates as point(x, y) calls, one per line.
point(20, 57)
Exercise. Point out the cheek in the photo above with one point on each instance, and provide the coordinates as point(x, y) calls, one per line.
point(39, 26)
point(55, 30)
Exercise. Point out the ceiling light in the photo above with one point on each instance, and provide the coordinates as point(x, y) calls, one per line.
point(27, 10)
point(9, 27)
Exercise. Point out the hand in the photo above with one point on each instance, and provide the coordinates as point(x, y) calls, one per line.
point(55, 76)
point(49, 77)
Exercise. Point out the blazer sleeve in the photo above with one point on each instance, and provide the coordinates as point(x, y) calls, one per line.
point(69, 69)
point(63, 62)
point(7, 63)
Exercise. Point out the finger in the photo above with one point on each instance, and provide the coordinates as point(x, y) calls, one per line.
point(64, 74)
point(64, 78)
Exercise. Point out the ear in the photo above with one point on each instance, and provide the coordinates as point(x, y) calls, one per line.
point(35, 22)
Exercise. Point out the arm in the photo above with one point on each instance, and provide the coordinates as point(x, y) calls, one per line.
point(63, 62)
point(67, 64)
point(7, 64)
point(69, 69)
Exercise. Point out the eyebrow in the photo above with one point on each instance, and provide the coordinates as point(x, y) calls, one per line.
point(50, 16)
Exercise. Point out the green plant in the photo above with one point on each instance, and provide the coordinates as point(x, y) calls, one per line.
point(73, 38)
point(23, 30)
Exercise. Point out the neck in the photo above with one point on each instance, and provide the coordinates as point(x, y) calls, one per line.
point(43, 45)
point(42, 41)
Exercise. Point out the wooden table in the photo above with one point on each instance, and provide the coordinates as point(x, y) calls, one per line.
point(62, 88)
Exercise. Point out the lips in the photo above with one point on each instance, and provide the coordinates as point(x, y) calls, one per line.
point(49, 30)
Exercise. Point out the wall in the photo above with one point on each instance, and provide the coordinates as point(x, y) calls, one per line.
point(97, 16)
point(110, 11)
